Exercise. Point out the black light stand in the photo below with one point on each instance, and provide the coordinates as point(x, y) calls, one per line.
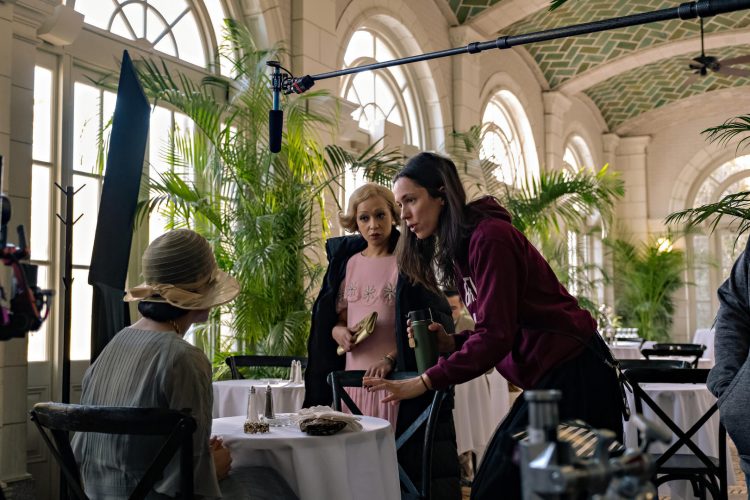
point(688, 10)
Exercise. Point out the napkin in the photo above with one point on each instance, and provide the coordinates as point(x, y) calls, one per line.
point(326, 412)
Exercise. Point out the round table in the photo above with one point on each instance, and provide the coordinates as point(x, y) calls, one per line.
point(480, 406)
point(356, 465)
point(684, 404)
point(230, 396)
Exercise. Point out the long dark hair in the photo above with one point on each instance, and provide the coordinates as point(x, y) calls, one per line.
point(419, 259)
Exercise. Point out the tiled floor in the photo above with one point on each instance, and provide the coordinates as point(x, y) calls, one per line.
point(736, 492)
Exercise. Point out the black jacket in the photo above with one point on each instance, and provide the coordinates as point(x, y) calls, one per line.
point(321, 347)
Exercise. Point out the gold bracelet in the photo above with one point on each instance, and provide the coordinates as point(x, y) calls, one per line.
point(421, 377)
point(390, 358)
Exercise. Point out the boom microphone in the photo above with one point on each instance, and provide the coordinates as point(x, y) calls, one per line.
point(275, 124)
point(275, 114)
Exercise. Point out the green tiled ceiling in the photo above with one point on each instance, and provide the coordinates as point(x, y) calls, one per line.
point(466, 9)
point(560, 60)
point(627, 95)
point(639, 90)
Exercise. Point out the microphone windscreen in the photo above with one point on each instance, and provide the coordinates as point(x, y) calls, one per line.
point(275, 124)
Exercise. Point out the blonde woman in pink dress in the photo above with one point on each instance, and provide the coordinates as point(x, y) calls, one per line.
point(370, 286)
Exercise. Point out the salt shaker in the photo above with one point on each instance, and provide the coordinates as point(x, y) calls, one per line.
point(269, 403)
point(252, 410)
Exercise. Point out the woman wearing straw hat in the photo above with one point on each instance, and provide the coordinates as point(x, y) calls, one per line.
point(150, 365)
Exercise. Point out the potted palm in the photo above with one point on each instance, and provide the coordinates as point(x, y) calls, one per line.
point(265, 213)
point(646, 278)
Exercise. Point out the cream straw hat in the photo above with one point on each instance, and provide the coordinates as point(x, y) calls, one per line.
point(179, 268)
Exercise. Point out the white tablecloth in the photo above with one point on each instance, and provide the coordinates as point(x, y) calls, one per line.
point(626, 351)
point(480, 405)
point(346, 466)
point(706, 337)
point(684, 404)
point(230, 396)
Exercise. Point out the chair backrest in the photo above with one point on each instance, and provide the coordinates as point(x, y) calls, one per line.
point(58, 420)
point(698, 467)
point(338, 380)
point(694, 351)
point(658, 364)
point(246, 361)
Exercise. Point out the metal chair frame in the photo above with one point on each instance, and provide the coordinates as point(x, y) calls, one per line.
point(701, 470)
point(248, 361)
point(353, 378)
point(58, 420)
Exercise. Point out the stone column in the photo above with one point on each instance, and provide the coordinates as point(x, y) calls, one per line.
point(631, 163)
point(17, 56)
point(609, 147)
point(556, 104)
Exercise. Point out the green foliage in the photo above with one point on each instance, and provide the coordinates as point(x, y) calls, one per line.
point(646, 278)
point(730, 129)
point(555, 4)
point(541, 207)
point(263, 212)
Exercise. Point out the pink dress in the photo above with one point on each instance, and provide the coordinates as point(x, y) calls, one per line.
point(370, 285)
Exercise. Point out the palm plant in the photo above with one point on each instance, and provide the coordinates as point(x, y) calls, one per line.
point(541, 206)
point(647, 277)
point(265, 213)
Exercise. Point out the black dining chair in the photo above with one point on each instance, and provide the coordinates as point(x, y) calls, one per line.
point(658, 364)
point(338, 380)
point(259, 361)
point(704, 473)
point(694, 351)
point(56, 420)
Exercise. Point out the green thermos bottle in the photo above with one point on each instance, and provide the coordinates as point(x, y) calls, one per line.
point(424, 341)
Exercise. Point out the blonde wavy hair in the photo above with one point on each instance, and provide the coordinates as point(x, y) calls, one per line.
point(348, 220)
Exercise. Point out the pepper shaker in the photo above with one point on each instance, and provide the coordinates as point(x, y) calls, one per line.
point(269, 403)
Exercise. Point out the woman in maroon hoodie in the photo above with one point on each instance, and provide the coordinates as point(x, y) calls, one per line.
point(527, 325)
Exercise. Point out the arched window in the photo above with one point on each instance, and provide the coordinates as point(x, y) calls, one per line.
point(577, 154)
point(507, 140)
point(585, 252)
point(166, 26)
point(382, 97)
point(713, 254)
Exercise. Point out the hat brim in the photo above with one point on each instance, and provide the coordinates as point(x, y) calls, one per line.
point(223, 289)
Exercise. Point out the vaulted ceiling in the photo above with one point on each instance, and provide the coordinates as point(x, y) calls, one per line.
point(629, 71)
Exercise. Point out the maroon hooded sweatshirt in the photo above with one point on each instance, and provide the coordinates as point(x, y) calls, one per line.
point(526, 323)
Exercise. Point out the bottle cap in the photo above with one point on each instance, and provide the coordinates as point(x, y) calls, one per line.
point(420, 315)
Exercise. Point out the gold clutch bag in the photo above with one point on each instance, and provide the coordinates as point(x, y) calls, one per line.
point(362, 330)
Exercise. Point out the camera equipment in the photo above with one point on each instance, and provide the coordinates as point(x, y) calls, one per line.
point(23, 307)
point(550, 468)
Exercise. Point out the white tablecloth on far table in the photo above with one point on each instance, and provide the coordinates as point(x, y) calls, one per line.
point(706, 337)
point(480, 405)
point(230, 396)
point(349, 465)
point(684, 404)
